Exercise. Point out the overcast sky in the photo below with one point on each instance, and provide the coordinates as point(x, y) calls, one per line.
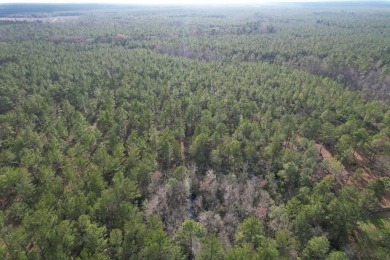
point(202, 2)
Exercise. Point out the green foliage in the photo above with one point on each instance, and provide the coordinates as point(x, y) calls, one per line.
point(211, 248)
point(374, 238)
point(189, 233)
point(379, 186)
point(93, 241)
point(159, 246)
point(242, 252)
point(316, 248)
point(206, 116)
point(337, 255)
point(268, 250)
point(287, 244)
point(114, 207)
point(168, 149)
point(250, 231)
point(115, 241)
point(199, 149)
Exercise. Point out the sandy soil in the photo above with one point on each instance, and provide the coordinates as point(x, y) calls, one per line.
point(183, 151)
point(385, 202)
point(366, 177)
point(323, 151)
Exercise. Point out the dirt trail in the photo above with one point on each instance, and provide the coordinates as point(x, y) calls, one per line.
point(323, 151)
point(343, 177)
point(366, 176)
point(183, 151)
point(385, 201)
point(358, 157)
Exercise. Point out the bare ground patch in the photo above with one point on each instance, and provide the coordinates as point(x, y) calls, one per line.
point(366, 176)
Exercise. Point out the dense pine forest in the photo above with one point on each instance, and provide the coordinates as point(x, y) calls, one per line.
point(130, 132)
